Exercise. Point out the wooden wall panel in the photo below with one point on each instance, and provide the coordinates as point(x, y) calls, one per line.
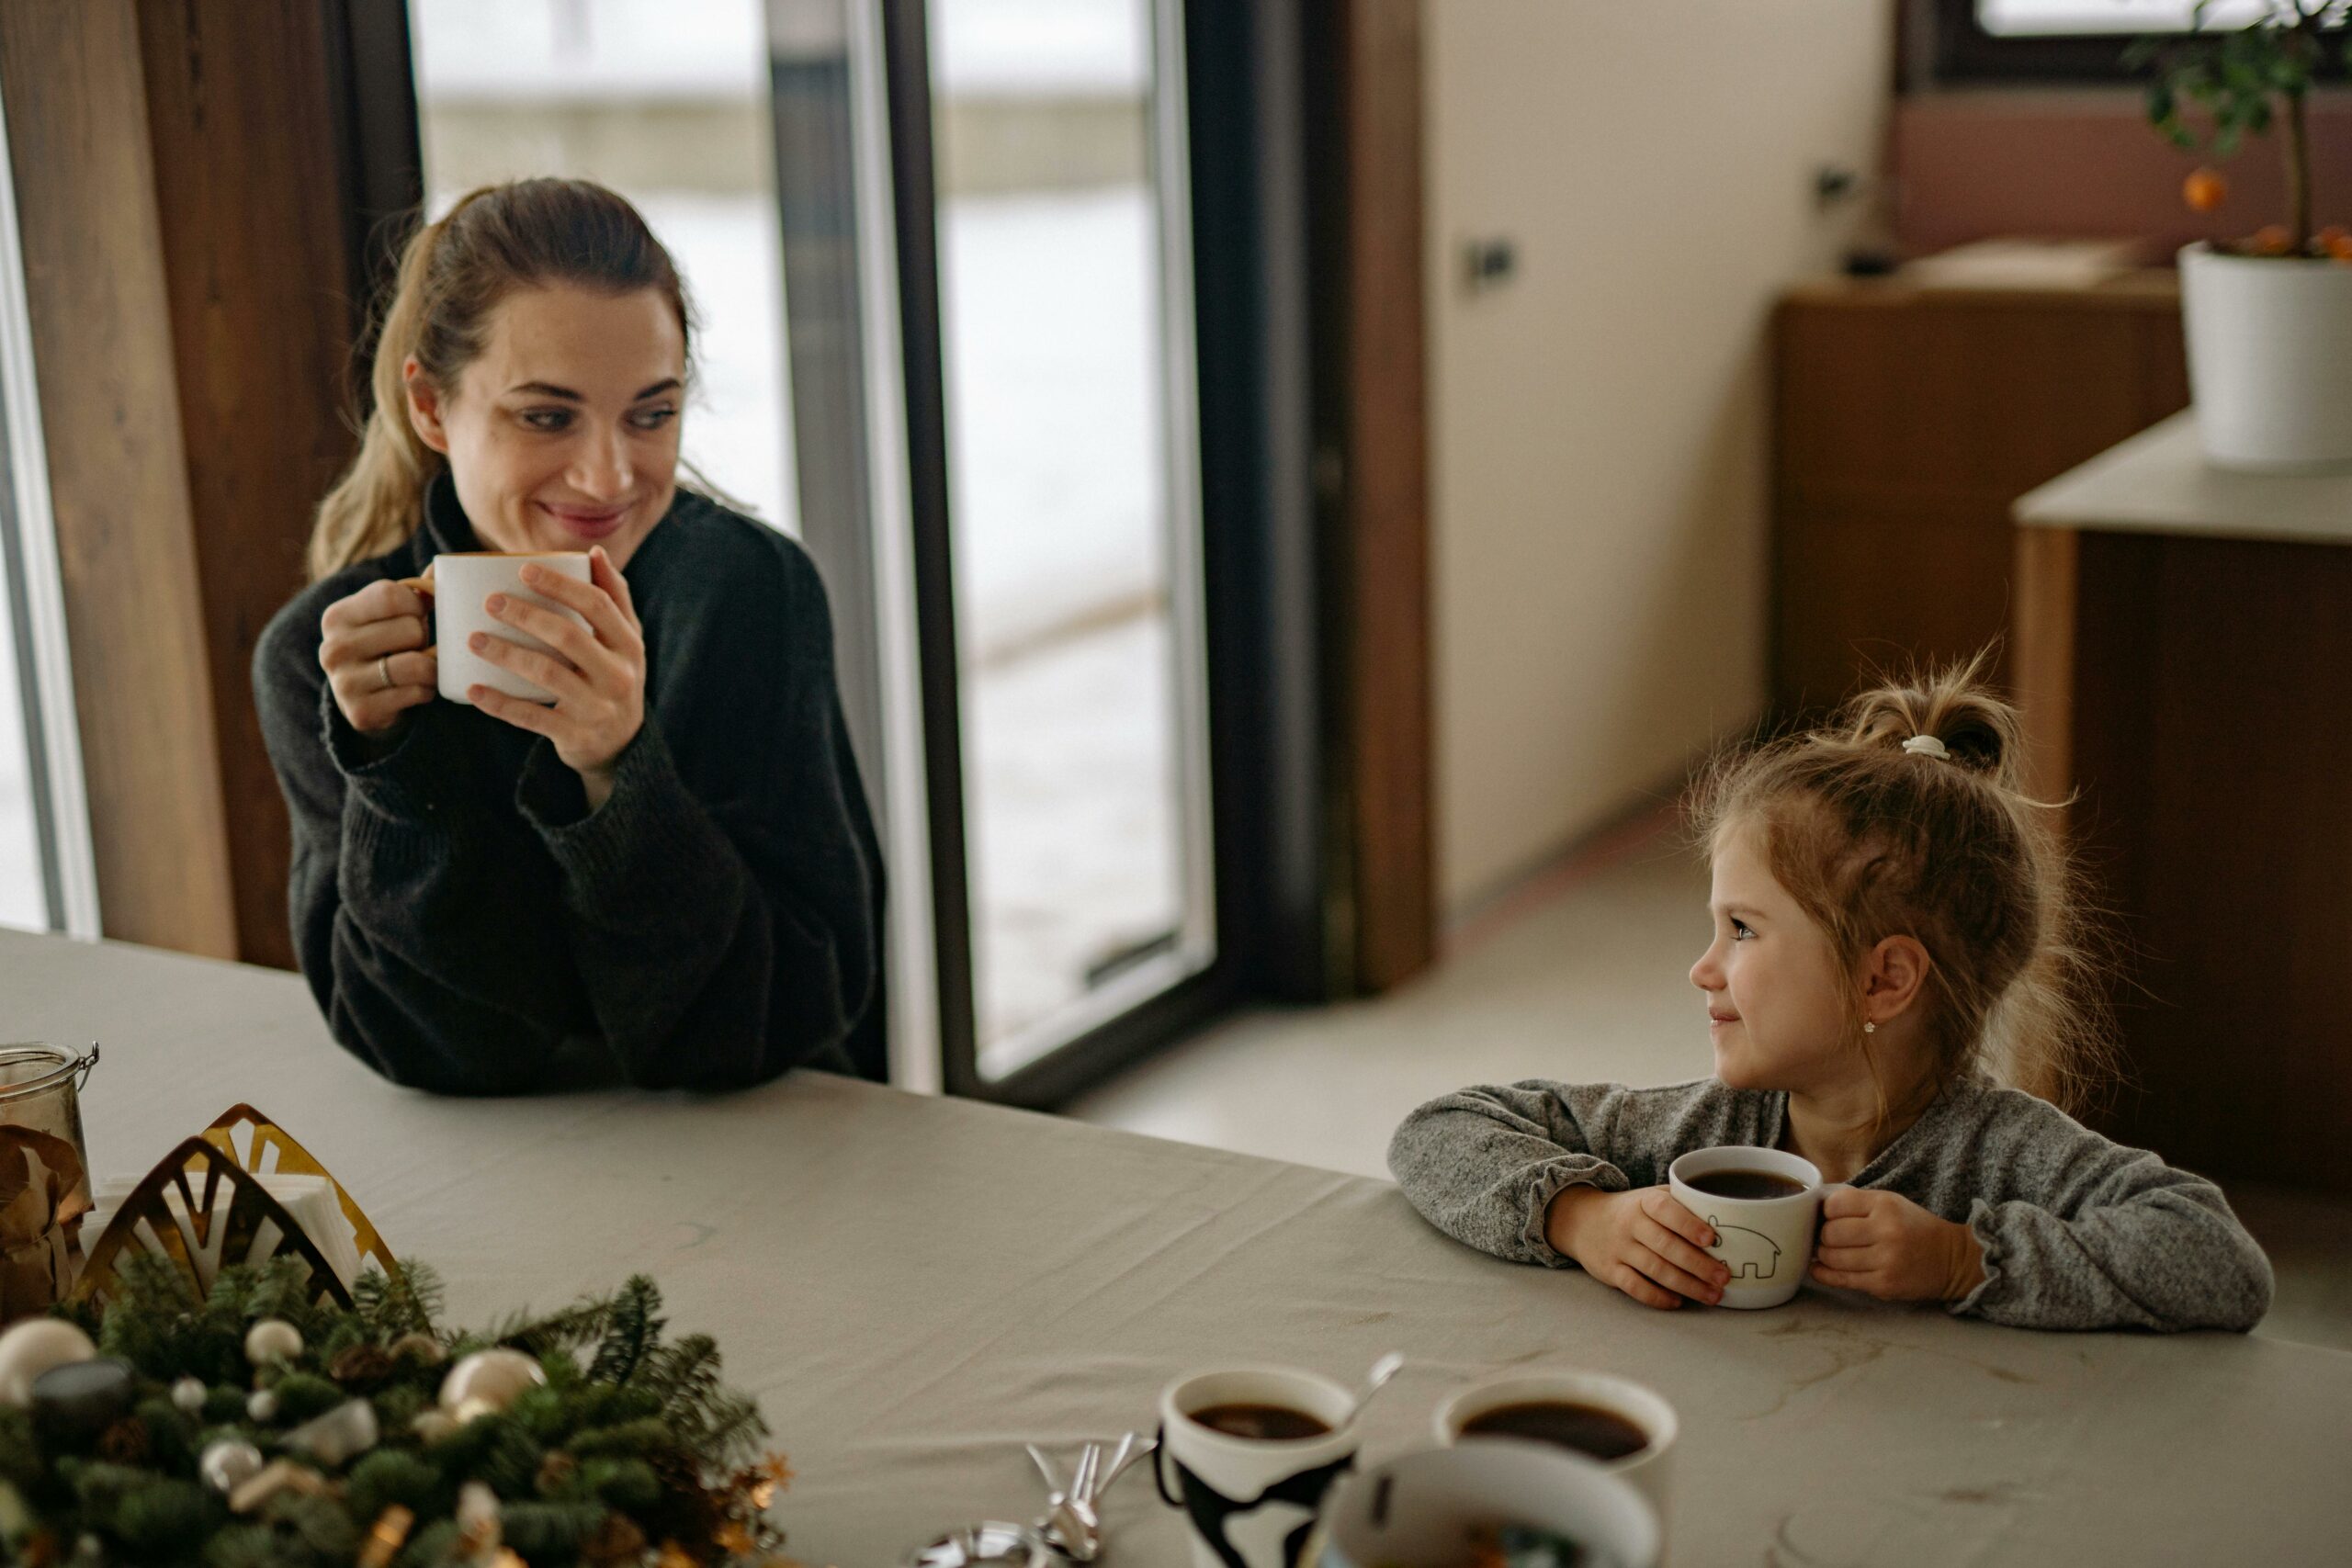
point(250, 193)
point(102, 347)
point(2210, 812)
point(1907, 421)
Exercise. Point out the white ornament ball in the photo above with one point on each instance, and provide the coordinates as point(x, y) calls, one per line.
point(229, 1464)
point(342, 1433)
point(262, 1406)
point(478, 1510)
point(494, 1377)
point(272, 1339)
point(187, 1396)
point(432, 1426)
point(32, 1347)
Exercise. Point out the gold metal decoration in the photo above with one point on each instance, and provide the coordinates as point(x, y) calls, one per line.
point(223, 1216)
point(264, 1148)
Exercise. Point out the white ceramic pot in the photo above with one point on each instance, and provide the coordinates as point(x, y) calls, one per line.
point(2269, 359)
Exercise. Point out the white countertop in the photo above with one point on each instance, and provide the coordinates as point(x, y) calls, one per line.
point(2158, 482)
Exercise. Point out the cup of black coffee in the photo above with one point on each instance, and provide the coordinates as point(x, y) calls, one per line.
point(1625, 1428)
point(1246, 1455)
point(1764, 1206)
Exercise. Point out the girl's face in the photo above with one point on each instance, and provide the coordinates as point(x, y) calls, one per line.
point(1777, 1009)
point(563, 432)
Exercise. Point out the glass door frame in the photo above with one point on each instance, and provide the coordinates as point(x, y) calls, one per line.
point(1260, 690)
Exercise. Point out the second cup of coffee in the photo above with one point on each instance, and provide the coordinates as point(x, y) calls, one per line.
point(1626, 1429)
point(462, 585)
point(1247, 1454)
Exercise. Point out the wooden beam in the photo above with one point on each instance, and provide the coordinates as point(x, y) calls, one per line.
point(1386, 491)
point(250, 191)
point(103, 355)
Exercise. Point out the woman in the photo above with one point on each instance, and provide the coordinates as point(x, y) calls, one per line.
point(668, 877)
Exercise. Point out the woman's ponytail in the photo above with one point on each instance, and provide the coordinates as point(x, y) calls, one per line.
point(374, 506)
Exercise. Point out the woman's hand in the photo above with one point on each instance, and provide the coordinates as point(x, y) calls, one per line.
point(1643, 1242)
point(596, 671)
point(374, 647)
point(1884, 1245)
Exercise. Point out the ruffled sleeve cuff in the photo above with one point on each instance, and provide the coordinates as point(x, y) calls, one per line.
point(1989, 1240)
point(1548, 1180)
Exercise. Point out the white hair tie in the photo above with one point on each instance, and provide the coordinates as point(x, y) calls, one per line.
point(1926, 746)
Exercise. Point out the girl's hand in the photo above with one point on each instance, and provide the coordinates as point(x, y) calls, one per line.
point(373, 646)
point(596, 671)
point(1887, 1245)
point(1643, 1242)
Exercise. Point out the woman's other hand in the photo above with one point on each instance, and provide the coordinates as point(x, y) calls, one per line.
point(1884, 1245)
point(1642, 1242)
point(596, 671)
point(375, 648)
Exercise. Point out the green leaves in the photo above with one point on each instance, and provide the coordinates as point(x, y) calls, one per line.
point(2212, 90)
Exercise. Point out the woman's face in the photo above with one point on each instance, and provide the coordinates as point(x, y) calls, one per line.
point(1776, 1010)
point(563, 432)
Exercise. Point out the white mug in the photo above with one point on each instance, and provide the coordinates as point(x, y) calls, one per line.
point(1650, 1468)
point(462, 585)
point(1766, 1242)
point(1255, 1501)
point(1419, 1508)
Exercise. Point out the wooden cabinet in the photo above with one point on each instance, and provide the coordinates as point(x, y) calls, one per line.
point(1907, 421)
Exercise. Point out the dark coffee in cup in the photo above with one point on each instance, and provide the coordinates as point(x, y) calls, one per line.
point(1586, 1429)
point(1746, 1184)
point(1260, 1422)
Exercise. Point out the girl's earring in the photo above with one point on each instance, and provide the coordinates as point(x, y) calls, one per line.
point(1869, 1029)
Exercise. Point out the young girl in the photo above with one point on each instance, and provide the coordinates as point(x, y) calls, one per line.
point(1893, 924)
point(667, 877)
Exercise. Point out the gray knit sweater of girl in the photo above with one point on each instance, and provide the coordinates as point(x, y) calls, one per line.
point(2077, 1232)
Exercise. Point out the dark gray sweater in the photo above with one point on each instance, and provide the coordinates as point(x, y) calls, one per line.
point(2077, 1232)
point(469, 927)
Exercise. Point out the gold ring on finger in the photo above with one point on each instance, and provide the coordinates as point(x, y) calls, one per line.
point(384, 670)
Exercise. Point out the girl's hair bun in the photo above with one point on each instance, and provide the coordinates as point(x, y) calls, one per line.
point(1954, 706)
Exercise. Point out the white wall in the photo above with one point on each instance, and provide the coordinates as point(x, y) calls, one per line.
point(1599, 425)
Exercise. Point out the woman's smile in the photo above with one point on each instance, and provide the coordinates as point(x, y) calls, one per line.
point(589, 524)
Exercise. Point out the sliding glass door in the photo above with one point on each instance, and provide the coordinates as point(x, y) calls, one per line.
point(1073, 524)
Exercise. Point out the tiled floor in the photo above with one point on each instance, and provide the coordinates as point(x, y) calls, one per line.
point(1587, 983)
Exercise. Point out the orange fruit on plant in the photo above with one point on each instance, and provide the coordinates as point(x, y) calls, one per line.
point(2272, 240)
point(2340, 246)
point(2205, 190)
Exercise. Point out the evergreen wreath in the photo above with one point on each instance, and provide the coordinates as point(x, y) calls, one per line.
point(631, 1452)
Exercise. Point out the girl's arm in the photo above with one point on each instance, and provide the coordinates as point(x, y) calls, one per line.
point(1483, 1165)
point(2093, 1234)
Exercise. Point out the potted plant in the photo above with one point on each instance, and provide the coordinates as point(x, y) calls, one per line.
point(2268, 318)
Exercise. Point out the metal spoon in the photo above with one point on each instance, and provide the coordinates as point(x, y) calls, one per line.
point(1382, 1370)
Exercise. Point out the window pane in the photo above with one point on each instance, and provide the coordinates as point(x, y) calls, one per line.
point(1078, 738)
point(665, 101)
point(2025, 17)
